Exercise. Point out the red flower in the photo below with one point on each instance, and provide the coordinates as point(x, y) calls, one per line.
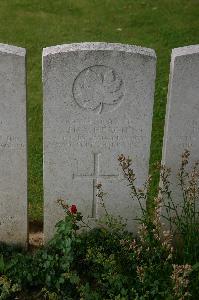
point(73, 209)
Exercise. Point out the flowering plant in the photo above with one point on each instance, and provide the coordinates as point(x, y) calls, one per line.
point(107, 262)
point(73, 209)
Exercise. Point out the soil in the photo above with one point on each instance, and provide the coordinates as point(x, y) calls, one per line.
point(35, 235)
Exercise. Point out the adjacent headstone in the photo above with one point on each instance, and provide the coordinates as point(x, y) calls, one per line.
point(13, 158)
point(182, 121)
point(98, 103)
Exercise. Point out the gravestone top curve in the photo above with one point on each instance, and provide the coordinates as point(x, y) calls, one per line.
point(10, 49)
point(187, 50)
point(98, 46)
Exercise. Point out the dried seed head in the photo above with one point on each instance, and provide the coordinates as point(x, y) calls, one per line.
point(98, 186)
point(121, 157)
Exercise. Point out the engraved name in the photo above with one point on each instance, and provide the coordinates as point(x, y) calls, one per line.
point(11, 142)
point(107, 137)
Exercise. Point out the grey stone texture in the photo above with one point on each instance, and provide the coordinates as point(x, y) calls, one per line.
point(98, 104)
point(13, 156)
point(182, 121)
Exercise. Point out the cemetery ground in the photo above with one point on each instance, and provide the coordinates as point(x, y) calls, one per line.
point(161, 25)
point(107, 262)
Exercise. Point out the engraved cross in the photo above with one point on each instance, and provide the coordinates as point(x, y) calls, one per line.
point(95, 179)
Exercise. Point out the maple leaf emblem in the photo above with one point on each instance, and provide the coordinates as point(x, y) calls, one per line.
point(98, 88)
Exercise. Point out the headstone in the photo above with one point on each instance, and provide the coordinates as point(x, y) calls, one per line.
point(13, 158)
point(182, 121)
point(98, 104)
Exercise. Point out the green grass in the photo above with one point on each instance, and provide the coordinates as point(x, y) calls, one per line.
point(34, 24)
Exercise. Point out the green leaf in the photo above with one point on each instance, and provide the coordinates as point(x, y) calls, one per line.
point(195, 267)
point(2, 264)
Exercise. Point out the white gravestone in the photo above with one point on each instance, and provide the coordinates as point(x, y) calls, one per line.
point(13, 157)
point(182, 118)
point(98, 103)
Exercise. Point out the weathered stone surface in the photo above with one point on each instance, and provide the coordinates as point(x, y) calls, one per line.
point(98, 103)
point(13, 160)
point(182, 122)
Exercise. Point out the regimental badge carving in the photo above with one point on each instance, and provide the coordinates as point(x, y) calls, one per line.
point(98, 88)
